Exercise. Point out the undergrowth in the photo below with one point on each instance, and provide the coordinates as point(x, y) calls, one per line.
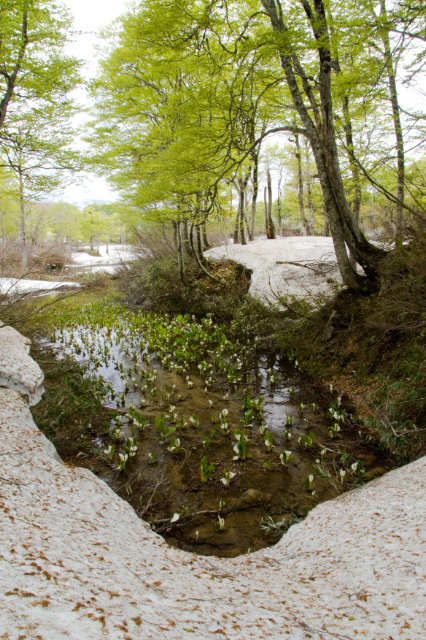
point(70, 413)
point(153, 282)
point(373, 349)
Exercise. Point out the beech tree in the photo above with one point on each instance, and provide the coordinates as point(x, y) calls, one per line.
point(33, 65)
point(36, 146)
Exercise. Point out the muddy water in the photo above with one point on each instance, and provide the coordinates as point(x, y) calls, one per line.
point(164, 483)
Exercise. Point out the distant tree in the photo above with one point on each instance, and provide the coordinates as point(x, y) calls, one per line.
point(36, 146)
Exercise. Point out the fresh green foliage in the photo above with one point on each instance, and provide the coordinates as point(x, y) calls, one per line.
point(205, 469)
point(241, 447)
point(164, 431)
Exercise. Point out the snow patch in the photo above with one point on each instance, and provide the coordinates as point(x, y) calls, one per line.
point(17, 369)
point(299, 266)
point(15, 286)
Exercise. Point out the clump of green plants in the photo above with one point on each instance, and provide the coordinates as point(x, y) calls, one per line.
point(227, 477)
point(286, 457)
point(240, 447)
point(206, 469)
point(163, 430)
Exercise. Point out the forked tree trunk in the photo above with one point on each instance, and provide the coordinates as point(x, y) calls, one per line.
point(318, 124)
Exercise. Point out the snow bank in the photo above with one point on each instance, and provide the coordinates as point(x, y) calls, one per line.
point(76, 562)
point(295, 266)
point(116, 255)
point(13, 286)
point(17, 369)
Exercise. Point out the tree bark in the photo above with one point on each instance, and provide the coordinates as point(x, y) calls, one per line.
point(237, 223)
point(246, 220)
point(241, 211)
point(3, 233)
point(200, 245)
point(270, 227)
point(206, 244)
point(185, 239)
point(24, 258)
point(326, 223)
point(300, 189)
point(311, 220)
point(181, 261)
point(255, 183)
point(396, 116)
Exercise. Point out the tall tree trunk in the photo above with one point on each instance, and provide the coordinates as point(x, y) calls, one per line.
point(175, 235)
point(241, 210)
point(279, 219)
point(270, 227)
point(318, 125)
point(200, 245)
point(255, 183)
point(237, 223)
point(396, 116)
point(206, 244)
point(191, 238)
point(185, 239)
point(300, 189)
point(181, 261)
point(356, 178)
point(24, 258)
point(326, 222)
point(246, 220)
point(347, 125)
point(311, 221)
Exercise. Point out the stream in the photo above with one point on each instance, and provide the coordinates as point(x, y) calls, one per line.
point(219, 447)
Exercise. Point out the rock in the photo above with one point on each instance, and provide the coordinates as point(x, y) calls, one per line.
point(252, 496)
point(18, 370)
point(374, 473)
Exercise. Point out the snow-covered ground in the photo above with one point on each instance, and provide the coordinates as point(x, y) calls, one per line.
point(13, 286)
point(273, 264)
point(76, 562)
point(117, 254)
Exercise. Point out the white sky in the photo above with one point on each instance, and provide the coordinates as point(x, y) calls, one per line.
point(89, 17)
